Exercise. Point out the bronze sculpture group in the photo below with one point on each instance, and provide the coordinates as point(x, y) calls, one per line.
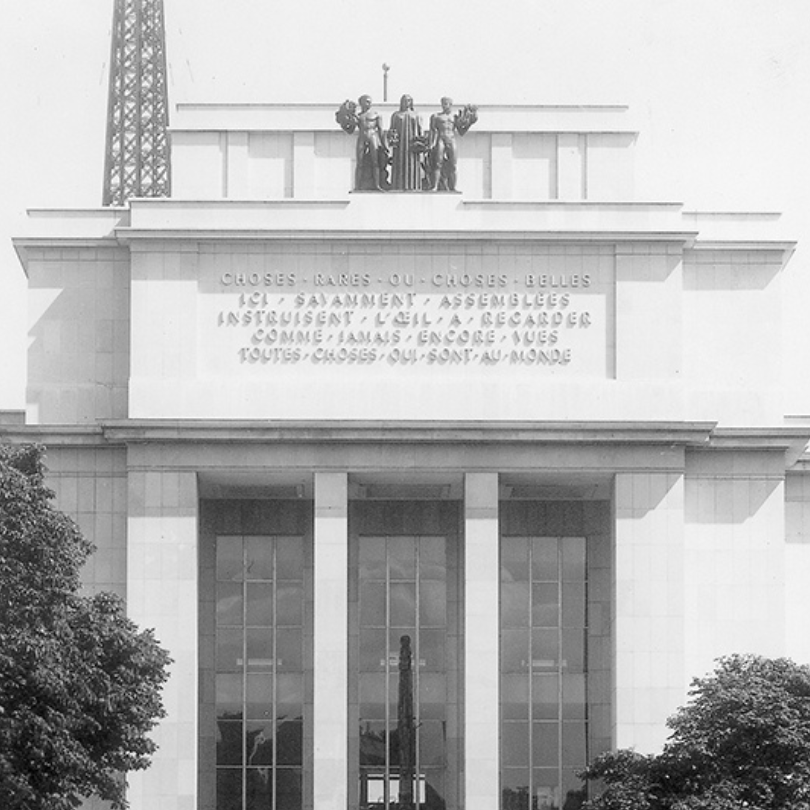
point(419, 160)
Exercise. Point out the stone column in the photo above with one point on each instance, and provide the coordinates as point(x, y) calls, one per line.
point(236, 176)
point(162, 594)
point(501, 165)
point(330, 711)
point(304, 165)
point(481, 620)
point(649, 609)
point(571, 173)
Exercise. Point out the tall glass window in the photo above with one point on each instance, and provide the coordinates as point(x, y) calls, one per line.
point(259, 672)
point(543, 672)
point(402, 670)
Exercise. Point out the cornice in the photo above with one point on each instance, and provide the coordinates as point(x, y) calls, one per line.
point(693, 436)
point(133, 431)
point(299, 234)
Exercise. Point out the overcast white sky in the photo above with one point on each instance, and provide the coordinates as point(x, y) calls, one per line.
point(720, 90)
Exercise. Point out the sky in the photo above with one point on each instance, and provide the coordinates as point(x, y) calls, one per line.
point(719, 90)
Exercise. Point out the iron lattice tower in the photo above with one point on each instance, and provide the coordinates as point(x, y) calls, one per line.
point(137, 151)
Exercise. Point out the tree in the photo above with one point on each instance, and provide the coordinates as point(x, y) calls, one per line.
point(742, 741)
point(79, 683)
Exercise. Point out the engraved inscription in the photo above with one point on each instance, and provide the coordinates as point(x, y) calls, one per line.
point(440, 319)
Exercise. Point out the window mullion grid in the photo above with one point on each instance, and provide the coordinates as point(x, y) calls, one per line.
point(530, 545)
point(415, 668)
point(244, 671)
point(387, 768)
point(273, 670)
point(559, 666)
point(586, 659)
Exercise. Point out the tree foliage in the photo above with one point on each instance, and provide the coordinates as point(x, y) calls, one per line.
point(742, 741)
point(79, 683)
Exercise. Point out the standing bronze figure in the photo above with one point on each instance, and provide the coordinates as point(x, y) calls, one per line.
point(443, 152)
point(405, 137)
point(371, 155)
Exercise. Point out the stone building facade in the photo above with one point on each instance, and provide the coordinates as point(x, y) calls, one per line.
point(537, 426)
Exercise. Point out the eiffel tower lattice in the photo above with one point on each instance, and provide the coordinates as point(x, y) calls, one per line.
point(137, 161)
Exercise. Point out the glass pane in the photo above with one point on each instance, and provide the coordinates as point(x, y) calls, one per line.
point(229, 789)
point(260, 604)
point(545, 608)
point(433, 790)
point(290, 742)
point(574, 650)
point(432, 696)
point(515, 744)
point(545, 649)
point(229, 696)
point(260, 648)
point(432, 604)
point(573, 745)
point(573, 559)
point(229, 558)
point(546, 789)
point(289, 604)
point(372, 604)
point(403, 604)
point(259, 789)
point(573, 697)
point(289, 695)
point(372, 693)
point(229, 649)
point(402, 557)
point(515, 789)
point(431, 743)
point(229, 742)
point(514, 604)
point(545, 697)
point(574, 791)
point(373, 649)
point(514, 559)
point(259, 743)
point(573, 604)
point(229, 603)
point(260, 697)
point(372, 558)
point(432, 646)
point(514, 650)
point(258, 558)
point(432, 558)
point(288, 788)
point(544, 559)
point(289, 558)
point(545, 744)
point(515, 697)
point(372, 742)
point(289, 650)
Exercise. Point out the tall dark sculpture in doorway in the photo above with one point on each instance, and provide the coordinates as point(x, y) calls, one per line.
point(405, 726)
